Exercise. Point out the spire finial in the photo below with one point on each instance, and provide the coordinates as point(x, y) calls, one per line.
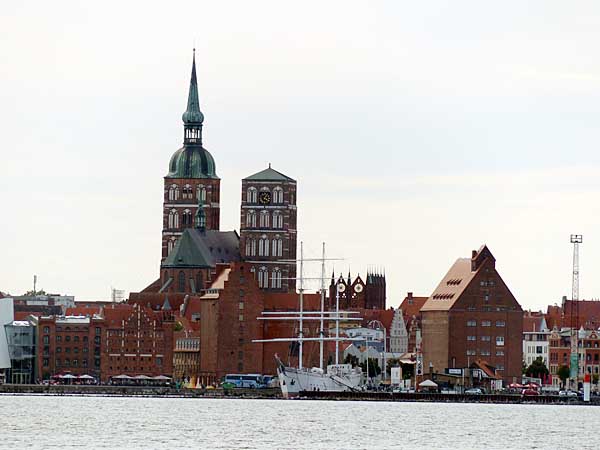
point(192, 114)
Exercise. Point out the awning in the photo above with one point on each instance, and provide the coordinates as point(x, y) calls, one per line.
point(122, 377)
point(142, 377)
point(161, 377)
point(86, 377)
point(428, 383)
point(68, 376)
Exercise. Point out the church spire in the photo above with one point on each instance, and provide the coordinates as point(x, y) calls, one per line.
point(193, 117)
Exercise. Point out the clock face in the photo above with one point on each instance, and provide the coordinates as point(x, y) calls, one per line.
point(358, 288)
point(264, 198)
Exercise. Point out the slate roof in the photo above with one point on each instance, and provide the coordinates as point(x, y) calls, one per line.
point(269, 174)
point(204, 249)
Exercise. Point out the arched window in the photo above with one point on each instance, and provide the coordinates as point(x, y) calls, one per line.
point(277, 220)
point(171, 245)
point(181, 281)
point(187, 192)
point(263, 278)
point(173, 219)
point(276, 278)
point(277, 246)
point(173, 192)
point(264, 219)
point(277, 195)
point(251, 247)
point(199, 282)
point(251, 195)
point(186, 218)
point(263, 246)
point(251, 219)
point(201, 193)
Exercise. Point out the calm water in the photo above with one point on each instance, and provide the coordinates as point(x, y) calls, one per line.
point(148, 423)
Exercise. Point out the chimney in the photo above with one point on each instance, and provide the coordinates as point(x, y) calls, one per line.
point(409, 295)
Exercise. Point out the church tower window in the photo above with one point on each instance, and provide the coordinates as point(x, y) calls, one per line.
point(251, 219)
point(263, 246)
point(187, 193)
point(251, 195)
point(277, 220)
point(187, 218)
point(173, 193)
point(278, 195)
point(263, 278)
point(277, 244)
point(201, 193)
point(181, 281)
point(276, 278)
point(264, 219)
point(173, 219)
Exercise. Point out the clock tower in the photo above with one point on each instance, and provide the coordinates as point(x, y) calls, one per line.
point(268, 229)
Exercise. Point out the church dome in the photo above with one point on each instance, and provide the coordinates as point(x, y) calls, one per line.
point(192, 162)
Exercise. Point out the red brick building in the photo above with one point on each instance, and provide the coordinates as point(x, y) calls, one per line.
point(411, 310)
point(472, 315)
point(137, 341)
point(70, 344)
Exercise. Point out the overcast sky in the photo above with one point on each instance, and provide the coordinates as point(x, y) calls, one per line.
point(417, 131)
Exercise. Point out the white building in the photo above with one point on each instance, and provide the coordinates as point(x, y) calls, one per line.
point(535, 340)
point(398, 334)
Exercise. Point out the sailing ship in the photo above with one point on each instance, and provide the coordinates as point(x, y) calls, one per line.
point(337, 377)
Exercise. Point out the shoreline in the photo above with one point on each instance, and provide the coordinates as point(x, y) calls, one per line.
point(275, 394)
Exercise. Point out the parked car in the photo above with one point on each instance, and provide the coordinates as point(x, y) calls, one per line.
point(474, 391)
point(530, 392)
point(567, 393)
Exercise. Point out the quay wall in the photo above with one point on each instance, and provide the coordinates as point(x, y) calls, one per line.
point(134, 391)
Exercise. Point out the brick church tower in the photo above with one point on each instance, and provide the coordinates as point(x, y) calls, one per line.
point(192, 179)
point(268, 229)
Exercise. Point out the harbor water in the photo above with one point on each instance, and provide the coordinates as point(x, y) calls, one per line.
point(49, 422)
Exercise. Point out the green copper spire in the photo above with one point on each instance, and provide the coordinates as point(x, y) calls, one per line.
point(192, 160)
point(192, 114)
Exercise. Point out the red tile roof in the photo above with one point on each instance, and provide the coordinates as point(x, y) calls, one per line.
point(411, 306)
point(83, 311)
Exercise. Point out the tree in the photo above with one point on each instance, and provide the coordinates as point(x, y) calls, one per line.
point(595, 378)
point(374, 368)
point(392, 362)
point(563, 373)
point(178, 326)
point(351, 359)
point(537, 369)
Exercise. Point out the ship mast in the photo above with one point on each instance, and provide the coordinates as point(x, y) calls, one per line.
point(321, 331)
point(300, 333)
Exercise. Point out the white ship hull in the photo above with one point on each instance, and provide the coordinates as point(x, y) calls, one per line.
point(292, 380)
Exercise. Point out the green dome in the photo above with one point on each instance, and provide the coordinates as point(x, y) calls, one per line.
point(192, 162)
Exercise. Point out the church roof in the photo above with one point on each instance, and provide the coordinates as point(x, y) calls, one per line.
point(269, 174)
point(204, 249)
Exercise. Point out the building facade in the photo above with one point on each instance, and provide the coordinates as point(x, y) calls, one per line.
point(472, 315)
point(137, 341)
point(69, 344)
point(268, 233)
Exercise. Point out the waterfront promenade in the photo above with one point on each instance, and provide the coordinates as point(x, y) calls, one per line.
point(155, 391)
